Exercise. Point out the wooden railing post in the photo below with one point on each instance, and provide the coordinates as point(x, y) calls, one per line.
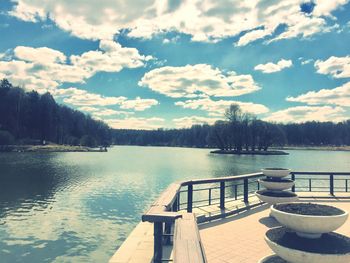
point(331, 184)
point(245, 190)
point(158, 246)
point(293, 178)
point(189, 198)
point(222, 195)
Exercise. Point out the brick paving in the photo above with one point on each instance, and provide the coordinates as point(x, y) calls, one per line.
point(240, 238)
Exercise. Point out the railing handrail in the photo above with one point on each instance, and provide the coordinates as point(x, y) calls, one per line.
point(221, 179)
point(320, 173)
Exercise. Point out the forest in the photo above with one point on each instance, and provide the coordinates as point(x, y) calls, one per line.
point(241, 131)
point(31, 118)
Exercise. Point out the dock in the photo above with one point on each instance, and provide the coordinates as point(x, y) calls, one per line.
point(220, 219)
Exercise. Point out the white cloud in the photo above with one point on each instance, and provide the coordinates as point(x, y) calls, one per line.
point(337, 67)
point(44, 69)
point(303, 26)
point(88, 109)
point(199, 80)
point(218, 108)
point(88, 101)
point(324, 8)
point(302, 114)
point(138, 104)
point(272, 67)
point(42, 55)
point(204, 20)
point(112, 58)
point(103, 112)
point(22, 74)
point(79, 97)
point(136, 123)
point(252, 36)
point(306, 61)
point(339, 96)
point(188, 121)
point(171, 40)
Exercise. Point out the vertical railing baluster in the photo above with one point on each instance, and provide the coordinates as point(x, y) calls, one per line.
point(309, 184)
point(222, 195)
point(293, 178)
point(189, 198)
point(174, 206)
point(346, 185)
point(209, 196)
point(245, 190)
point(235, 191)
point(331, 184)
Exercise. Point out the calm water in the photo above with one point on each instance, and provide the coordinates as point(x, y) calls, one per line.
point(79, 207)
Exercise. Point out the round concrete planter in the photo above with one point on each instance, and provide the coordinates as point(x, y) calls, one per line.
point(276, 172)
point(276, 185)
point(272, 258)
point(309, 226)
point(275, 199)
point(298, 256)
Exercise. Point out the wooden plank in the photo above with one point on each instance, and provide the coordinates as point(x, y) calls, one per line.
point(168, 196)
point(166, 217)
point(187, 243)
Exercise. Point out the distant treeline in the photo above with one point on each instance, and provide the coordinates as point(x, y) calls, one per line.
point(241, 131)
point(31, 118)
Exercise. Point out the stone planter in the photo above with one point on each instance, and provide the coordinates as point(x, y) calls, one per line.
point(282, 184)
point(310, 226)
point(272, 259)
point(286, 197)
point(276, 172)
point(293, 255)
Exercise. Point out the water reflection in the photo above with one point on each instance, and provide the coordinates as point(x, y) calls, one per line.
point(78, 207)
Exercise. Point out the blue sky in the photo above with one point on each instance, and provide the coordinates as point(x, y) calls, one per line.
point(150, 64)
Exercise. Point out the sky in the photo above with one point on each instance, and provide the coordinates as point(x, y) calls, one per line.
point(173, 63)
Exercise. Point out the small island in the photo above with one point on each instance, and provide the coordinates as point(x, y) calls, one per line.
point(271, 152)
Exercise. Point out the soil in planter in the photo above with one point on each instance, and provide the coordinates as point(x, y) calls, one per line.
point(275, 259)
point(274, 179)
point(309, 209)
point(276, 193)
point(330, 243)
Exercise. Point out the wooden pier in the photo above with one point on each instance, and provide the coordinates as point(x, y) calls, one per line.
point(216, 219)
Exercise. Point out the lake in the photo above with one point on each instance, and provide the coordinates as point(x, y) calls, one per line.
point(79, 207)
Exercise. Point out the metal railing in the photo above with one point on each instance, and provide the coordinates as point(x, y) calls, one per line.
point(223, 190)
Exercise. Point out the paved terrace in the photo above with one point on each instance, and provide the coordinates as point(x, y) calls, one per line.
point(237, 239)
point(240, 238)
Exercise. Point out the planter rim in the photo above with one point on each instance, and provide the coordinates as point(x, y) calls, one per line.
point(267, 240)
point(286, 180)
point(275, 169)
point(345, 213)
point(306, 252)
point(257, 192)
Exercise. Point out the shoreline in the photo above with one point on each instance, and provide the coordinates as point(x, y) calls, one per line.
point(249, 152)
point(48, 148)
point(315, 148)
